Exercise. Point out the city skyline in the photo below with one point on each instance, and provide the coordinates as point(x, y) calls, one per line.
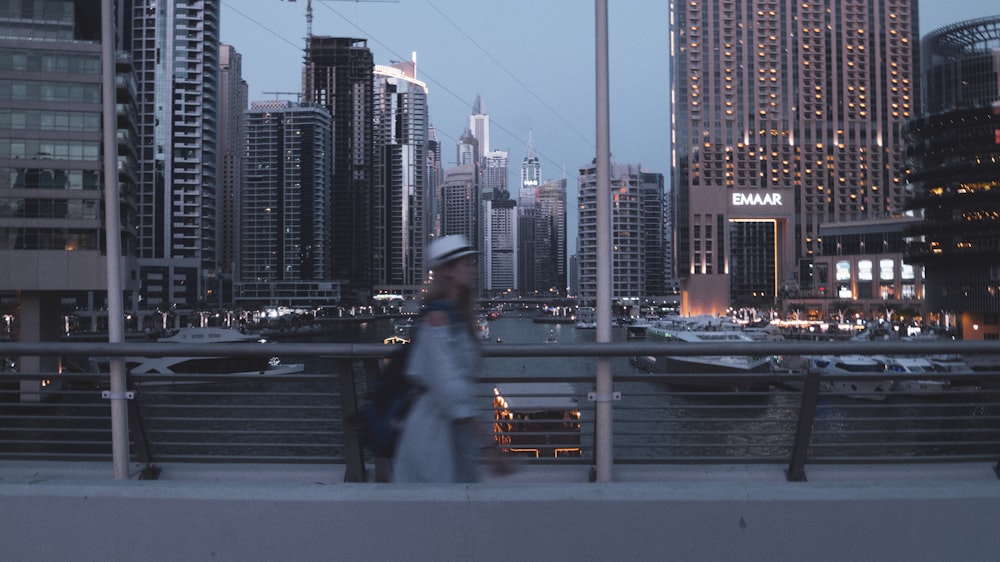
point(550, 101)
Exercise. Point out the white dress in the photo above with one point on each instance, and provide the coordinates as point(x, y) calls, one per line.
point(432, 446)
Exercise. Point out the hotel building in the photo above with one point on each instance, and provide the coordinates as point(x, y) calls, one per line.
point(786, 115)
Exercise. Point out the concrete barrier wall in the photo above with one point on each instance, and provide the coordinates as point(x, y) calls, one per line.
point(686, 518)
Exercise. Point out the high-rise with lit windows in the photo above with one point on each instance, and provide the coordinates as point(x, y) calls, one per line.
point(786, 115)
point(285, 218)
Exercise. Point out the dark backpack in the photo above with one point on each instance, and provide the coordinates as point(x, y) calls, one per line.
point(386, 404)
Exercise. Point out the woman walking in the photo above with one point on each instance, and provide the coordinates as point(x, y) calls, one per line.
point(442, 438)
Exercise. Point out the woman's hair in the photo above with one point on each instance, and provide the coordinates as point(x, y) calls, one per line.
point(465, 303)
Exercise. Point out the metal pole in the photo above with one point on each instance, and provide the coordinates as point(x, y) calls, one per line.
point(603, 416)
point(112, 222)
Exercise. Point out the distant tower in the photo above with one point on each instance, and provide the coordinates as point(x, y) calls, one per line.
point(435, 175)
point(479, 124)
point(550, 245)
point(460, 202)
point(531, 174)
point(232, 145)
point(496, 168)
point(468, 149)
point(499, 254)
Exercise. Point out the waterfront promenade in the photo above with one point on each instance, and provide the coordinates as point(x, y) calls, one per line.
point(916, 513)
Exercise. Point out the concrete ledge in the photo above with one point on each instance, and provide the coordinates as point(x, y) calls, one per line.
point(914, 513)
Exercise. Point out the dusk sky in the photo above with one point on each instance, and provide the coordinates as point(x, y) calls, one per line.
point(532, 61)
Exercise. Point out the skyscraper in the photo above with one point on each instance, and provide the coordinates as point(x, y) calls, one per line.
point(285, 219)
point(175, 49)
point(479, 125)
point(232, 139)
point(541, 244)
point(467, 149)
point(499, 255)
point(495, 168)
point(786, 115)
point(338, 76)
point(634, 249)
point(435, 175)
point(401, 195)
point(550, 236)
point(460, 202)
point(531, 172)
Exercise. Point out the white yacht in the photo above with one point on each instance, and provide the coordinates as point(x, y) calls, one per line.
point(914, 365)
point(868, 380)
point(712, 363)
point(222, 365)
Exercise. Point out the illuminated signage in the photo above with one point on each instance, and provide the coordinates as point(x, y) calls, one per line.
point(757, 199)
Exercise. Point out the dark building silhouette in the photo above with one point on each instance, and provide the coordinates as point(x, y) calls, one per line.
point(954, 152)
point(339, 76)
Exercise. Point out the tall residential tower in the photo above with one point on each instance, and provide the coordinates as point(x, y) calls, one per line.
point(401, 192)
point(175, 48)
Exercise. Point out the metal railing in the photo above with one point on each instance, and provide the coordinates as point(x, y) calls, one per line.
point(792, 418)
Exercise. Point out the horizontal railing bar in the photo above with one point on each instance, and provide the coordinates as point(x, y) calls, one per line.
point(373, 350)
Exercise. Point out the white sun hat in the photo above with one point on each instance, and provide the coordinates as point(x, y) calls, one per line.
point(448, 248)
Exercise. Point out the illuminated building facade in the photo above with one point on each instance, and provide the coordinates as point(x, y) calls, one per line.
point(954, 148)
point(285, 223)
point(786, 115)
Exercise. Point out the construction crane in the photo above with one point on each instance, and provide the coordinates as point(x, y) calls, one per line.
point(309, 10)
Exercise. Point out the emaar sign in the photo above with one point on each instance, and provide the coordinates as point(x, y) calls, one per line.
point(757, 199)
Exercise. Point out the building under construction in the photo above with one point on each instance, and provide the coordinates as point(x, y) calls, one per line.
point(338, 75)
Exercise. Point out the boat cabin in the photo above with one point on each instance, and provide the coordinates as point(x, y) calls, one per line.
point(537, 419)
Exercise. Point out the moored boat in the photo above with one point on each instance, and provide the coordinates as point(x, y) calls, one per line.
point(239, 365)
point(855, 376)
point(539, 419)
point(914, 365)
point(704, 364)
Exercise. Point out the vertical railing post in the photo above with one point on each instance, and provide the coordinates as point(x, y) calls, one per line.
point(383, 466)
point(113, 250)
point(803, 434)
point(603, 422)
point(354, 460)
